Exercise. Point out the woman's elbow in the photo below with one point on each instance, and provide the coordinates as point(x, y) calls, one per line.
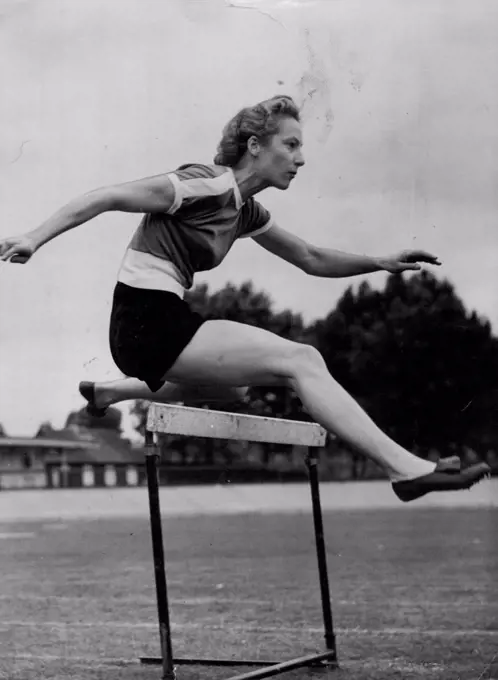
point(309, 261)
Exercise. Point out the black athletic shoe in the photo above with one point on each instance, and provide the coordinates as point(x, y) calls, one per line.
point(440, 481)
point(87, 391)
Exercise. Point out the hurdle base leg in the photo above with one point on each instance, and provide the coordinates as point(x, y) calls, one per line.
point(265, 668)
point(157, 661)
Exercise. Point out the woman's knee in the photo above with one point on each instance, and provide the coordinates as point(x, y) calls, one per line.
point(301, 358)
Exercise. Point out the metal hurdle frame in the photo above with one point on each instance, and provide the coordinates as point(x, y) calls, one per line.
point(181, 420)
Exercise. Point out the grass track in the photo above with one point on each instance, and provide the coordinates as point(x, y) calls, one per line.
point(415, 594)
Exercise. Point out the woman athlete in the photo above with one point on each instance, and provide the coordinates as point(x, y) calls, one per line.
point(192, 217)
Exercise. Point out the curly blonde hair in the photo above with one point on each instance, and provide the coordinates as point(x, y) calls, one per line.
point(260, 120)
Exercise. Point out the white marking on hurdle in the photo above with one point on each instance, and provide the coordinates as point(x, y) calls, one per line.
point(198, 422)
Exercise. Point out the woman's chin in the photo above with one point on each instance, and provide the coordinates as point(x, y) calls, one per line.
point(283, 184)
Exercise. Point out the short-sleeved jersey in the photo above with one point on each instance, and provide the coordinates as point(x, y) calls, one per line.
point(207, 216)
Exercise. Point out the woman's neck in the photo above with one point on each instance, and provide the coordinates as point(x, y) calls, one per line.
point(249, 182)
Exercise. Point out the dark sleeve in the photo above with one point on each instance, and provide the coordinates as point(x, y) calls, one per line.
point(255, 219)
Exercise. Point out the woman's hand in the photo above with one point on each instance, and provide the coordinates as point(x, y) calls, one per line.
point(407, 259)
point(17, 249)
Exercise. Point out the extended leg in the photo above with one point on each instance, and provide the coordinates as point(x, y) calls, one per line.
point(102, 395)
point(226, 353)
point(229, 353)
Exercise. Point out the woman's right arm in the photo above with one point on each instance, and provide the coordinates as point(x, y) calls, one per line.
point(148, 195)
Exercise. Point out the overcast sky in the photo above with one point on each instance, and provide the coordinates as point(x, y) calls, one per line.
point(400, 104)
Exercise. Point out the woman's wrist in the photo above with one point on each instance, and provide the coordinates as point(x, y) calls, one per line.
point(35, 239)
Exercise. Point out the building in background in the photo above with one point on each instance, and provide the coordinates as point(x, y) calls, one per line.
point(23, 460)
point(75, 457)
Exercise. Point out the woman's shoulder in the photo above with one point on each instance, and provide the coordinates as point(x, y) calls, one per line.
point(204, 170)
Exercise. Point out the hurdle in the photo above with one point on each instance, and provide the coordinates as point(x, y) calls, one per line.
point(197, 422)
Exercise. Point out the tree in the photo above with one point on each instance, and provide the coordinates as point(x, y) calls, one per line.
point(412, 356)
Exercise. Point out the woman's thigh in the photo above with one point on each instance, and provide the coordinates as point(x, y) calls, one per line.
point(230, 353)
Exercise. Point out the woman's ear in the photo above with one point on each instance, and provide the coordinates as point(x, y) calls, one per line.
point(253, 146)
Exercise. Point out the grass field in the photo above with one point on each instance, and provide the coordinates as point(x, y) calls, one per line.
point(415, 594)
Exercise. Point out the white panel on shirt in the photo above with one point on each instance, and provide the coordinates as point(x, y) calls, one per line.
point(143, 270)
point(199, 186)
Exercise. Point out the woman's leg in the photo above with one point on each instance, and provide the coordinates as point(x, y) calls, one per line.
point(230, 354)
point(108, 393)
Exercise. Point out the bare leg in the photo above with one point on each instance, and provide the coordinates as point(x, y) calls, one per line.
point(230, 354)
point(224, 352)
point(108, 393)
point(330, 405)
point(326, 401)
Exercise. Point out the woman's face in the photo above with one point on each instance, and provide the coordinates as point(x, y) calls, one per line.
point(281, 157)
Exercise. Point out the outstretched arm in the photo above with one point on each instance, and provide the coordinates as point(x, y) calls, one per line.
point(152, 194)
point(330, 263)
point(336, 264)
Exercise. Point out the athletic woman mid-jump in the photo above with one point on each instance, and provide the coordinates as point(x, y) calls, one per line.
point(192, 217)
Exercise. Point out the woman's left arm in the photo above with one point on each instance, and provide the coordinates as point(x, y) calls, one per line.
point(328, 263)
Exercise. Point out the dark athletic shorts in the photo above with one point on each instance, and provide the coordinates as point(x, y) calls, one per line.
point(149, 329)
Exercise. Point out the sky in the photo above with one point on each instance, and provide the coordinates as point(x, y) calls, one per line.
point(399, 101)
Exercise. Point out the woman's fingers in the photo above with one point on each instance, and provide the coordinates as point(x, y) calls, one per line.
point(16, 250)
point(7, 252)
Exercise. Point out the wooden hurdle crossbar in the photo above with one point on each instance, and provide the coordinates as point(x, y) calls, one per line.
point(181, 420)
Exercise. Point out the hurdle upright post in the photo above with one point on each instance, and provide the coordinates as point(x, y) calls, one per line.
point(330, 641)
point(151, 463)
